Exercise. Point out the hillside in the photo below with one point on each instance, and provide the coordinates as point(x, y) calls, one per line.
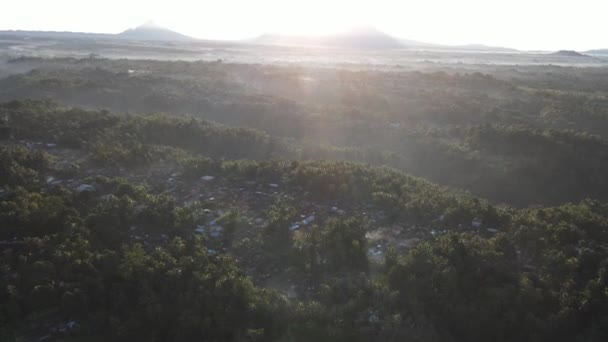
point(120, 227)
point(502, 138)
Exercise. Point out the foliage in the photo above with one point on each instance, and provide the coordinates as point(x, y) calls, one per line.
point(123, 261)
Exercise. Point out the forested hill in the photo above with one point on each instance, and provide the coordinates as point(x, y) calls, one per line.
point(132, 227)
point(522, 136)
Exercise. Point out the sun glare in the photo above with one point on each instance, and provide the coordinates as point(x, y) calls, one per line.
point(313, 18)
point(513, 24)
point(278, 17)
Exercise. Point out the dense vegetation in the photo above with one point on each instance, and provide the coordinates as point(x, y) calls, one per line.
point(522, 136)
point(98, 214)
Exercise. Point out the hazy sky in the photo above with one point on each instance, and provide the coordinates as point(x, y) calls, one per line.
point(524, 24)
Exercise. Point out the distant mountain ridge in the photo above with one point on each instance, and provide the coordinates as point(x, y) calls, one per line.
point(56, 34)
point(359, 38)
point(147, 31)
point(365, 38)
point(152, 31)
point(569, 53)
point(597, 52)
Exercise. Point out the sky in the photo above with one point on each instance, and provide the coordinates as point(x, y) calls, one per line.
point(523, 24)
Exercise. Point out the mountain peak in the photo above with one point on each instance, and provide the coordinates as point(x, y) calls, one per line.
point(150, 30)
point(150, 24)
point(568, 53)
